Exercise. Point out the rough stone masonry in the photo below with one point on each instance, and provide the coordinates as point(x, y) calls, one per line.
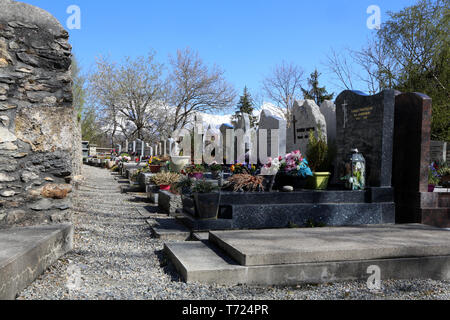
point(38, 126)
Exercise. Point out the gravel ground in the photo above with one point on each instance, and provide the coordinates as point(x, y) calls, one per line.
point(118, 259)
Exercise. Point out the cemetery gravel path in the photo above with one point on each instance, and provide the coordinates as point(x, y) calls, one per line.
point(118, 259)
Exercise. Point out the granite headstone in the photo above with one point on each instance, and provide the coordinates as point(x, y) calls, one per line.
point(328, 109)
point(306, 118)
point(367, 124)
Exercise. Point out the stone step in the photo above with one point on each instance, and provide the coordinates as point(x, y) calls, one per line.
point(169, 229)
point(292, 246)
point(204, 263)
point(199, 262)
point(203, 225)
point(25, 253)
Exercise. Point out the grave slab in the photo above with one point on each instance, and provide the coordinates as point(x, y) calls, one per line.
point(25, 253)
point(204, 263)
point(289, 246)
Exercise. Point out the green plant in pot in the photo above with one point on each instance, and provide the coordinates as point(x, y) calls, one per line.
point(184, 185)
point(320, 160)
point(216, 169)
point(207, 200)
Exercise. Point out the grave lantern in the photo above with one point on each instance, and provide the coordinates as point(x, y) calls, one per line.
point(355, 169)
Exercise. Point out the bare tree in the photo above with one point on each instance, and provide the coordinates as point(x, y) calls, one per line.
point(193, 87)
point(283, 86)
point(338, 64)
point(130, 97)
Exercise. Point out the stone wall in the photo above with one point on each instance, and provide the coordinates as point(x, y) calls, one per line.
point(37, 124)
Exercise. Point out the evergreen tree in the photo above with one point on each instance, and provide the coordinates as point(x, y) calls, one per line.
point(245, 105)
point(315, 92)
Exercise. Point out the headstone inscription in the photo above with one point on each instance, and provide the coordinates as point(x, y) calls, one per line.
point(306, 117)
point(367, 124)
point(269, 121)
point(438, 151)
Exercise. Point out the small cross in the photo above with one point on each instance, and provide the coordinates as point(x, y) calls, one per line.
point(294, 122)
point(344, 106)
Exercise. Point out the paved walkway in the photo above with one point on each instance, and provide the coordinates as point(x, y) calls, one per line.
point(115, 257)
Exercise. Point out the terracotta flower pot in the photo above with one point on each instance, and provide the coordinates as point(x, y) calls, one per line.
point(154, 168)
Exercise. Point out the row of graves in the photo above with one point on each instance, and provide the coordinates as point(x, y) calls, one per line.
point(370, 205)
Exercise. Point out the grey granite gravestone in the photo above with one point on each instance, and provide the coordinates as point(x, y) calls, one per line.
point(306, 118)
point(328, 109)
point(367, 123)
point(269, 121)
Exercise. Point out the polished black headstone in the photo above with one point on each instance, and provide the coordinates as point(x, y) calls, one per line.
point(367, 123)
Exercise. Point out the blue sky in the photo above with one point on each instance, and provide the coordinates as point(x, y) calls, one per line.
point(246, 38)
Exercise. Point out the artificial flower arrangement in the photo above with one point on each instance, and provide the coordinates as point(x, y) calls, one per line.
point(294, 164)
point(124, 158)
point(271, 168)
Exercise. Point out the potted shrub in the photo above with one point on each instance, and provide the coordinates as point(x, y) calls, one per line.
point(216, 169)
point(319, 161)
point(207, 200)
point(184, 185)
point(165, 179)
point(156, 163)
point(196, 171)
point(245, 182)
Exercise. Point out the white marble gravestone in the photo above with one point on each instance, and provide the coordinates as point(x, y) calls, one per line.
point(438, 151)
point(306, 118)
point(269, 121)
point(328, 109)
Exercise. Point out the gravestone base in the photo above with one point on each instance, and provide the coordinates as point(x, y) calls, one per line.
point(152, 193)
point(325, 255)
point(281, 210)
point(429, 208)
point(169, 203)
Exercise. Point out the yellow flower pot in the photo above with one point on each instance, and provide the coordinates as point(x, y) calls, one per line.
point(319, 181)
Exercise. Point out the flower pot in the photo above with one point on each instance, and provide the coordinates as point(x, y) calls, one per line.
point(154, 168)
point(177, 164)
point(319, 181)
point(164, 187)
point(197, 175)
point(431, 188)
point(207, 205)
